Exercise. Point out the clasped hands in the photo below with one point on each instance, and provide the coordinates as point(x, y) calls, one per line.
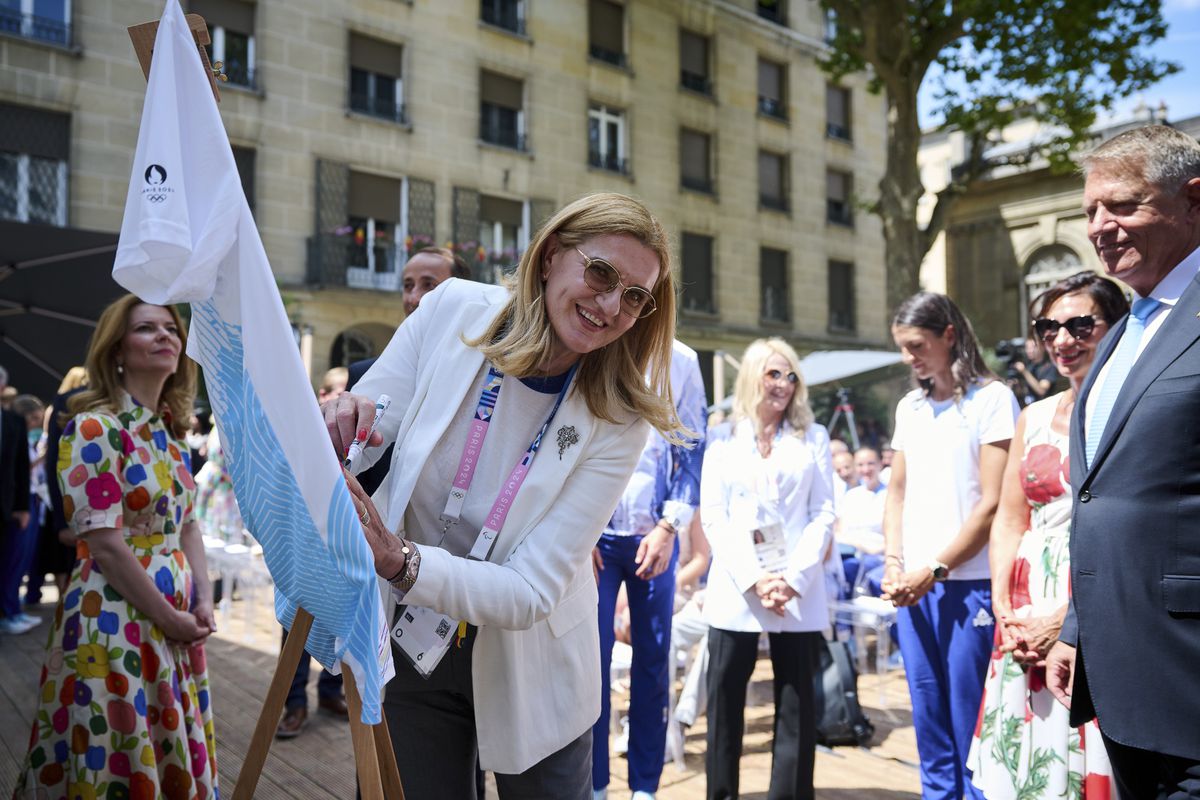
point(774, 592)
point(905, 588)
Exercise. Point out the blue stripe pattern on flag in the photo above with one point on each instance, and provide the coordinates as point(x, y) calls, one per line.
point(334, 579)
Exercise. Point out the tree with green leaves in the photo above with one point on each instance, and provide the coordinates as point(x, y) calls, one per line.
point(1058, 61)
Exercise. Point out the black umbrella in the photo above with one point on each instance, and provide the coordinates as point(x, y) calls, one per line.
point(54, 282)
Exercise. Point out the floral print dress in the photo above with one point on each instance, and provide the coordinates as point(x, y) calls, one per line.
point(121, 712)
point(1024, 747)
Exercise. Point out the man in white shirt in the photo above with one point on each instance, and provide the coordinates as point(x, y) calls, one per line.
point(1130, 643)
point(844, 477)
point(860, 520)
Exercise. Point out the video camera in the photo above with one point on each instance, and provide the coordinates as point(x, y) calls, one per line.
point(1011, 351)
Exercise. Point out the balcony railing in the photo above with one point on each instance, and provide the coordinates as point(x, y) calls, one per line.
point(240, 75)
point(772, 11)
point(773, 202)
point(501, 135)
point(695, 82)
point(30, 26)
point(608, 161)
point(375, 107)
point(839, 212)
point(836, 131)
point(504, 16)
point(339, 261)
point(696, 183)
point(607, 56)
point(772, 107)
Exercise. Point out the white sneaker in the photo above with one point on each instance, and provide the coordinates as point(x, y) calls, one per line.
point(621, 744)
point(600, 794)
point(13, 626)
point(643, 796)
point(29, 619)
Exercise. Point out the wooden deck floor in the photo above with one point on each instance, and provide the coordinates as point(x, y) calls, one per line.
point(319, 764)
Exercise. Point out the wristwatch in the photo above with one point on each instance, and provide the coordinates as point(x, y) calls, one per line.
point(940, 571)
point(412, 565)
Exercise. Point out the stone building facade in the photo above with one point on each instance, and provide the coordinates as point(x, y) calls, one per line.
point(368, 128)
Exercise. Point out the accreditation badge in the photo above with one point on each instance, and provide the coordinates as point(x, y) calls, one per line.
point(424, 637)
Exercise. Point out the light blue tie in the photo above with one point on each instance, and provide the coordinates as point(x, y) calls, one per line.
point(1119, 366)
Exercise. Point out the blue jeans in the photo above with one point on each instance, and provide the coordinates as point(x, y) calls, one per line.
point(946, 641)
point(650, 605)
point(329, 686)
point(17, 548)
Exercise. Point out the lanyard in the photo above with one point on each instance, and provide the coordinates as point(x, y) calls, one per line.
point(465, 473)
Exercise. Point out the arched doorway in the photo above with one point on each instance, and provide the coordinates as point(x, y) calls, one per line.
point(351, 345)
point(1046, 267)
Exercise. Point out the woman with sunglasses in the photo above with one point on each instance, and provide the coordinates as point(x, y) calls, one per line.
point(766, 504)
point(1025, 740)
point(518, 414)
point(951, 440)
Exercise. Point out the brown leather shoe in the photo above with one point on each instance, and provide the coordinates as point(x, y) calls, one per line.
point(334, 705)
point(292, 723)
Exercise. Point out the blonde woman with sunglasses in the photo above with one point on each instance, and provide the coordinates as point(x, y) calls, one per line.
point(518, 414)
point(766, 503)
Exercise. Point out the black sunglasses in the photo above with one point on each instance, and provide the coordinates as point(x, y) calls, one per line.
point(1079, 327)
point(602, 277)
point(777, 375)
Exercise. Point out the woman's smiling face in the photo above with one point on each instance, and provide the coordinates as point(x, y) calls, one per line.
point(582, 319)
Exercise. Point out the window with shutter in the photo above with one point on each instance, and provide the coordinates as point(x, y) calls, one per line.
point(606, 32)
point(34, 151)
point(376, 78)
point(775, 302)
point(772, 181)
point(838, 207)
point(837, 112)
point(841, 297)
point(772, 89)
point(501, 114)
point(694, 62)
point(698, 289)
point(695, 160)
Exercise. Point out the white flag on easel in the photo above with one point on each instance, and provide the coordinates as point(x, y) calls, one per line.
point(188, 236)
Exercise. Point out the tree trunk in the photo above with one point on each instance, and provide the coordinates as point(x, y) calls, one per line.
point(900, 191)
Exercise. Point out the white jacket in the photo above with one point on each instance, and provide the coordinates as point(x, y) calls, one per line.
point(732, 498)
point(536, 662)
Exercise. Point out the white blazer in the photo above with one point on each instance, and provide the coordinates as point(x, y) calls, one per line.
point(733, 488)
point(536, 662)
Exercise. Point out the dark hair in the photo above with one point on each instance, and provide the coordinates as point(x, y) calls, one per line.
point(458, 264)
point(935, 312)
point(1110, 301)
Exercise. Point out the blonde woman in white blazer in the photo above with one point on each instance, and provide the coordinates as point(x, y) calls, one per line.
point(766, 504)
point(589, 314)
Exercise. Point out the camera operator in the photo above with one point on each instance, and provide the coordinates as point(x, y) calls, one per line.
point(1034, 376)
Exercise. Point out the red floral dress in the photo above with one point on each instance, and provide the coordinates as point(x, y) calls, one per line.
point(1024, 747)
point(121, 712)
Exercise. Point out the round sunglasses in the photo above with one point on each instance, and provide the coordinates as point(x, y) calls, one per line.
point(1079, 327)
point(778, 375)
point(602, 277)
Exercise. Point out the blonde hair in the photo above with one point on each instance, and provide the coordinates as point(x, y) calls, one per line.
point(104, 382)
point(748, 389)
point(75, 378)
point(336, 375)
point(632, 374)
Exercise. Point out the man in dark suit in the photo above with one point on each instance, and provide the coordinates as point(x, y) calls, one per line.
point(1130, 645)
point(14, 490)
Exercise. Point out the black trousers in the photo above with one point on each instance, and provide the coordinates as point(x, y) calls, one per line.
point(432, 726)
point(731, 658)
point(1146, 775)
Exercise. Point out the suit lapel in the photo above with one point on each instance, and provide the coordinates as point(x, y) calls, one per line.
point(551, 466)
point(1179, 330)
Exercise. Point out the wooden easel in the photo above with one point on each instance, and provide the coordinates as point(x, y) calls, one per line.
point(374, 759)
point(378, 775)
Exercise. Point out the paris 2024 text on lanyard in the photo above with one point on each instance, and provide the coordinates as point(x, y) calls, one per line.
point(423, 635)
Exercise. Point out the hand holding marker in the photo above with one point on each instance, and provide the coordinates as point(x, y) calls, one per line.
point(356, 447)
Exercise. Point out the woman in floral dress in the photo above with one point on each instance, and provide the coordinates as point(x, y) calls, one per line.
point(123, 703)
point(1024, 746)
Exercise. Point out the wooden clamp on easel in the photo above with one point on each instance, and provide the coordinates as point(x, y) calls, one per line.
point(375, 761)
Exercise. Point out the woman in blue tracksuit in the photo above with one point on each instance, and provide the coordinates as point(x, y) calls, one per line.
point(951, 442)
